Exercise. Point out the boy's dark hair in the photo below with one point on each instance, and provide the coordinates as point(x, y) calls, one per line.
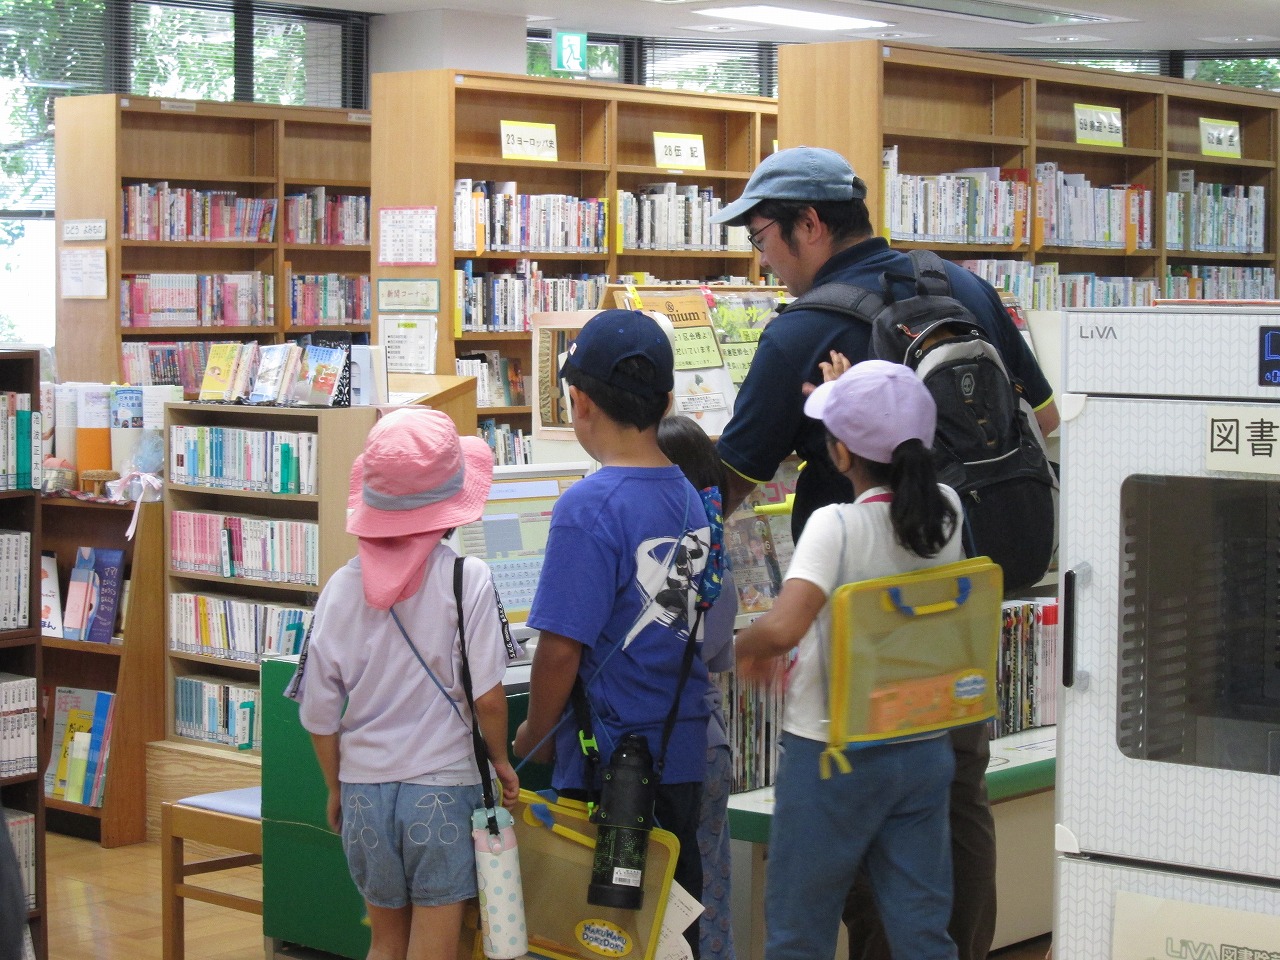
point(923, 518)
point(687, 445)
point(620, 405)
point(846, 219)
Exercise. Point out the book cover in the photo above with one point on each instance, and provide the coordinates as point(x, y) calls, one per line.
point(102, 711)
point(104, 757)
point(273, 360)
point(328, 366)
point(82, 596)
point(50, 596)
point(218, 372)
point(74, 720)
point(108, 564)
point(77, 758)
point(245, 370)
point(340, 340)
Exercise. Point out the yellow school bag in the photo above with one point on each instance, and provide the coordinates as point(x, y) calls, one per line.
point(912, 653)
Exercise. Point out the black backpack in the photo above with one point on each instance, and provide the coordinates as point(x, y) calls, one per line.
point(987, 446)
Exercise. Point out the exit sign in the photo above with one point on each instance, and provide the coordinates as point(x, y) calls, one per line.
point(568, 52)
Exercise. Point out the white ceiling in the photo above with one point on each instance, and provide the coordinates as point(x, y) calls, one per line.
point(1132, 24)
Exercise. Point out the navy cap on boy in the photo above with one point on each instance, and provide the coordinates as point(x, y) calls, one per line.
point(797, 173)
point(612, 336)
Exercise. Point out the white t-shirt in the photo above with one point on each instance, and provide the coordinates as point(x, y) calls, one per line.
point(844, 543)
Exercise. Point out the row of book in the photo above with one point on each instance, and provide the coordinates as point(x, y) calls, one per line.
point(971, 205)
point(22, 833)
point(277, 373)
point(1041, 286)
point(332, 219)
point(215, 711)
point(509, 446)
point(233, 628)
point(19, 725)
point(1217, 218)
point(504, 300)
point(491, 215)
point(329, 298)
point(15, 579)
point(1219, 282)
point(1075, 213)
point(245, 548)
point(21, 453)
point(500, 380)
point(157, 211)
point(671, 216)
point(198, 300)
point(1027, 669)
point(753, 717)
point(231, 458)
point(178, 363)
point(82, 724)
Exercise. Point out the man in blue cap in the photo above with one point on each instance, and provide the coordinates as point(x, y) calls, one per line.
point(805, 212)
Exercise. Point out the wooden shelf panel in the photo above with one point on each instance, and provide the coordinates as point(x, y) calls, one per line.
point(650, 171)
point(503, 411)
point(1002, 250)
point(363, 248)
point(199, 333)
point(951, 136)
point(1243, 163)
point(526, 255)
point(484, 336)
point(1070, 146)
point(22, 637)
point(532, 166)
point(195, 179)
point(1262, 258)
point(54, 803)
point(1097, 252)
point(247, 666)
point(691, 254)
point(243, 582)
point(83, 646)
point(351, 186)
point(198, 244)
point(257, 495)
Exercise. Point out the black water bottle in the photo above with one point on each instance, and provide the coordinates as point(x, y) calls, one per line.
point(624, 817)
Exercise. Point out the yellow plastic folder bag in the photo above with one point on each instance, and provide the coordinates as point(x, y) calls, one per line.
point(913, 653)
point(557, 844)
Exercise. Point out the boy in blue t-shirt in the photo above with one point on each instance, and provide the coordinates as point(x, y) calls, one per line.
point(625, 555)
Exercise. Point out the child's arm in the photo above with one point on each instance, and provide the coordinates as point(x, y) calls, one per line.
point(555, 666)
point(491, 712)
point(778, 631)
point(326, 745)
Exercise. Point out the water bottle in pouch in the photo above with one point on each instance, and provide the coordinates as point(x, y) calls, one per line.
point(625, 817)
point(498, 879)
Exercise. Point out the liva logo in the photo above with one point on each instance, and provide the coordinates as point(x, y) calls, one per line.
point(1189, 950)
point(1097, 333)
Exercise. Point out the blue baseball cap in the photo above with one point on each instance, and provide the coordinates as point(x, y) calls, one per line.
point(612, 336)
point(797, 173)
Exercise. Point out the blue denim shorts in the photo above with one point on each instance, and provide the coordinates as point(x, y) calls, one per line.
point(409, 843)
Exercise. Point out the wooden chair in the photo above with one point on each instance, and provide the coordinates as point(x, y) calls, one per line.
point(231, 819)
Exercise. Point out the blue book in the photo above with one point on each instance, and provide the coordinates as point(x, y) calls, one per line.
point(97, 741)
point(82, 596)
point(108, 566)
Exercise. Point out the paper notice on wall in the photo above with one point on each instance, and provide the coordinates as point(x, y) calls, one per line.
point(1154, 927)
point(410, 343)
point(82, 273)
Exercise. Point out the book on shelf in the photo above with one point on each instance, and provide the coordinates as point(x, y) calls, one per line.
point(21, 446)
point(326, 369)
point(340, 395)
point(82, 596)
point(108, 567)
point(274, 361)
point(90, 792)
point(50, 596)
point(219, 372)
point(85, 714)
point(77, 762)
point(19, 725)
point(15, 562)
point(368, 374)
point(21, 825)
point(66, 725)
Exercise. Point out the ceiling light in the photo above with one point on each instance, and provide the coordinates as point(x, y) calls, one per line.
point(726, 28)
point(537, 18)
point(1000, 11)
point(1069, 38)
point(787, 17)
point(1236, 41)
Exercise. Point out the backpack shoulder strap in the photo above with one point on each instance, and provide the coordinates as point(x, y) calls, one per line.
point(931, 272)
point(847, 299)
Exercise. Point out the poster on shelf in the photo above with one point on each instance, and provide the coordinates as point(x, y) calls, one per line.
point(407, 236)
point(410, 342)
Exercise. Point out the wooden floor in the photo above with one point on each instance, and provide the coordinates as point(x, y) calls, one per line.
point(105, 905)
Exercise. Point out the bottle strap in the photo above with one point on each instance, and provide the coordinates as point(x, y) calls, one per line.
point(586, 738)
point(477, 738)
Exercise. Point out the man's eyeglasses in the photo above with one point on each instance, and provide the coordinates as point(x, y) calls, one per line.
point(754, 238)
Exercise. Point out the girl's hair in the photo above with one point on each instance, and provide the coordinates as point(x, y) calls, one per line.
point(923, 518)
point(687, 445)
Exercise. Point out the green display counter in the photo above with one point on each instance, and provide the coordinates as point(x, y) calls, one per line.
point(307, 894)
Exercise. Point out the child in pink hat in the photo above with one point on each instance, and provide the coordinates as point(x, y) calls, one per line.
point(394, 740)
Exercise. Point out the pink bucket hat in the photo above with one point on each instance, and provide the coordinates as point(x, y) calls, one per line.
point(874, 406)
point(416, 475)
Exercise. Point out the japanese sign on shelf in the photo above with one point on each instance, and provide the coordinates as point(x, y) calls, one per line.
point(522, 140)
point(683, 151)
point(1099, 126)
point(407, 236)
point(1219, 138)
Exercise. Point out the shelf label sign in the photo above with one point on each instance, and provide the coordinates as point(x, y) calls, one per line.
point(683, 151)
point(569, 52)
point(1219, 138)
point(84, 229)
point(523, 140)
point(738, 357)
point(1100, 126)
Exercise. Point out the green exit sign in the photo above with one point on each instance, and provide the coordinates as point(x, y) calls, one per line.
point(569, 52)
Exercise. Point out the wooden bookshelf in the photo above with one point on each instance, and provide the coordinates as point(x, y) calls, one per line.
point(604, 145)
point(947, 109)
point(105, 143)
point(181, 765)
point(132, 668)
point(20, 652)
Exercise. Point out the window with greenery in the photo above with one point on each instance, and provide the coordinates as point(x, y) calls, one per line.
point(1260, 72)
point(712, 67)
point(211, 49)
point(1155, 64)
point(604, 58)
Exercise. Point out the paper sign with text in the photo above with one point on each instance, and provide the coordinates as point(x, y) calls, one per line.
point(522, 140)
point(1243, 440)
point(1219, 138)
point(683, 151)
point(1100, 126)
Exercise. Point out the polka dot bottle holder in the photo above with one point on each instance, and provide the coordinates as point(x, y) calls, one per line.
point(501, 894)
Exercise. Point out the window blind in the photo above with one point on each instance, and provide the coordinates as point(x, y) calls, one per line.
point(719, 66)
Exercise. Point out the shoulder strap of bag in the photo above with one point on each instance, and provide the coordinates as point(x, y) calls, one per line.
point(846, 299)
point(931, 272)
point(477, 738)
